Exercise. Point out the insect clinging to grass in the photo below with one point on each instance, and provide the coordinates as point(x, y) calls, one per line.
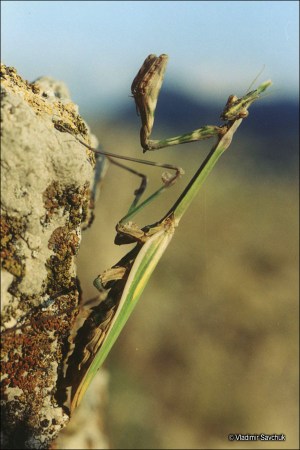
point(122, 285)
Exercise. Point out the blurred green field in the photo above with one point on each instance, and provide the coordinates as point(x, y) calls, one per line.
point(212, 347)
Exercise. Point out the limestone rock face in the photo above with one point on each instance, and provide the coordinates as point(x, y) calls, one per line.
point(47, 177)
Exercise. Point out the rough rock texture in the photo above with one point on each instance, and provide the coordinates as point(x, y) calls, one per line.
point(47, 177)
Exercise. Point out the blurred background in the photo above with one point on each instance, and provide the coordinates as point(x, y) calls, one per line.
point(212, 347)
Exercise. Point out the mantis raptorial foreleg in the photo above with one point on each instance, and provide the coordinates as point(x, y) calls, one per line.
point(145, 89)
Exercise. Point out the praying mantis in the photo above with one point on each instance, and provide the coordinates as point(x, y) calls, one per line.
point(121, 286)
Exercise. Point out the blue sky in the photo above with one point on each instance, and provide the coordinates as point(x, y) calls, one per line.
point(215, 48)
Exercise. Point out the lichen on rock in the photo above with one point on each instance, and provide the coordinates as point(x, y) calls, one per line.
point(46, 178)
